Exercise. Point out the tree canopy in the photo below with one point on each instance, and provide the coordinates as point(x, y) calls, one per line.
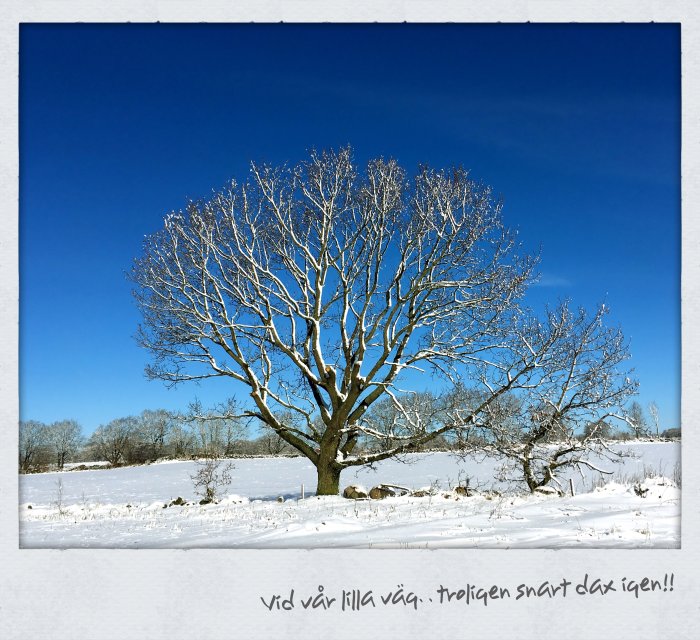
point(322, 288)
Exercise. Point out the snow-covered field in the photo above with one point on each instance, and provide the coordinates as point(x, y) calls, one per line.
point(124, 507)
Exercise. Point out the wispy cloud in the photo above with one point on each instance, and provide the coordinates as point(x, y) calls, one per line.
point(546, 280)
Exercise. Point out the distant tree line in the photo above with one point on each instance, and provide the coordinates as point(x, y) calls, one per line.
point(158, 434)
point(42, 446)
point(150, 436)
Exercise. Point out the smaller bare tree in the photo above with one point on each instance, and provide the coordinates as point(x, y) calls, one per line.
point(64, 438)
point(599, 429)
point(213, 476)
point(637, 421)
point(180, 442)
point(654, 413)
point(272, 443)
point(60, 506)
point(541, 429)
point(214, 433)
point(32, 443)
point(154, 427)
point(217, 430)
point(401, 418)
point(111, 442)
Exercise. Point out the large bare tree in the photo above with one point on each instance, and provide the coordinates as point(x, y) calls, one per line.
point(320, 288)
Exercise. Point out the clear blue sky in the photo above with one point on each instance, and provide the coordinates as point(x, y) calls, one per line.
point(576, 126)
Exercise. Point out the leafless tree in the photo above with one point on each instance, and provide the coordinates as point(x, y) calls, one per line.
point(32, 442)
point(654, 413)
point(180, 440)
point(153, 430)
point(600, 429)
point(64, 438)
point(216, 431)
point(319, 288)
point(111, 442)
point(213, 476)
point(396, 417)
point(545, 426)
point(272, 443)
point(637, 421)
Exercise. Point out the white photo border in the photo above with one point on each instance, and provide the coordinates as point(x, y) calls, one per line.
point(215, 594)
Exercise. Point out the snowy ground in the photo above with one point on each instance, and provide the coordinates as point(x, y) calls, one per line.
point(124, 508)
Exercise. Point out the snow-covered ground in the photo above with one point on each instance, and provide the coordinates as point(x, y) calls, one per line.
point(124, 507)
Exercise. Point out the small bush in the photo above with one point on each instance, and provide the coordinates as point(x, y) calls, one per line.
point(211, 478)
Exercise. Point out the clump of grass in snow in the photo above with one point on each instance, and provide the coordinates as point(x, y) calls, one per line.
point(638, 477)
point(676, 477)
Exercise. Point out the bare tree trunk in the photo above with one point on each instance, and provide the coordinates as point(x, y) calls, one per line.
point(328, 483)
point(529, 475)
